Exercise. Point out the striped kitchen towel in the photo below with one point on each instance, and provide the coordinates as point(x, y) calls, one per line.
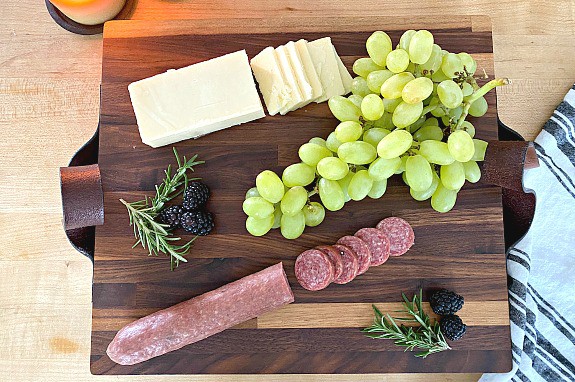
point(541, 266)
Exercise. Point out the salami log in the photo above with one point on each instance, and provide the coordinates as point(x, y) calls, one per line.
point(400, 234)
point(314, 270)
point(350, 264)
point(334, 256)
point(378, 244)
point(202, 316)
point(360, 249)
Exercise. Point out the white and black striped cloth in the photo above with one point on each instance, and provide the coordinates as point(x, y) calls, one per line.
point(541, 266)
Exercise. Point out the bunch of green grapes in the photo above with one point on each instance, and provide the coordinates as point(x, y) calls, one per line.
point(406, 115)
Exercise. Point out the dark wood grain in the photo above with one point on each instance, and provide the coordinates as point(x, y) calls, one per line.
point(462, 250)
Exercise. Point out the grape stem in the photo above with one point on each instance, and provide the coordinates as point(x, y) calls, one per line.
point(478, 94)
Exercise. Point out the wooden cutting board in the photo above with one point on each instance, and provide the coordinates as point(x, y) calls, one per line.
point(462, 250)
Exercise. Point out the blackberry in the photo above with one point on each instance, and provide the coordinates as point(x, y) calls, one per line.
point(195, 196)
point(452, 327)
point(444, 302)
point(197, 222)
point(171, 216)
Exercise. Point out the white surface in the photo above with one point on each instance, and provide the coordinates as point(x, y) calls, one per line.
point(300, 74)
point(326, 66)
point(311, 74)
point(296, 98)
point(346, 78)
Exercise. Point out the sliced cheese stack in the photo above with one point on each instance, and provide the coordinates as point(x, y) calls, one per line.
point(297, 73)
point(196, 100)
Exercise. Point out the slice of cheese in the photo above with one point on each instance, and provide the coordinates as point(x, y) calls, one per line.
point(297, 66)
point(196, 100)
point(296, 97)
point(310, 72)
point(325, 63)
point(270, 80)
point(346, 78)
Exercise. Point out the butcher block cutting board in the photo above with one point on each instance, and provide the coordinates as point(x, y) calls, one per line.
point(462, 250)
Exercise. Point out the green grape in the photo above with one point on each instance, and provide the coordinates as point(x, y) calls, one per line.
point(417, 90)
point(343, 109)
point(293, 201)
point(310, 153)
point(298, 174)
point(270, 186)
point(466, 89)
point(468, 127)
point(433, 64)
point(314, 214)
point(331, 194)
point(318, 141)
point(277, 216)
point(356, 99)
point(393, 86)
point(404, 178)
point(443, 199)
point(385, 122)
point(468, 62)
point(390, 104)
point(452, 175)
point(332, 168)
point(426, 194)
point(449, 94)
point(292, 226)
point(438, 110)
point(259, 227)
point(378, 47)
point(439, 76)
point(376, 79)
point(451, 65)
point(381, 168)
point(359, 87)
point(394, 144)
point(460, 146)
point(374, 135)
point(405, 114)
point(478, 108)
point(472, 171)
point(418, 173)
point(363, 66)
point(436, 152)
point(344, 183)
point(332, 142)
point(431, 122)
point(480, 147)
point(397, 60)
point(416, 125)
point(402, 164)
point(427, 132)
point(378, 189)
point(405, 39)
point(348, 131)
point(421, 46)
point(360, 185)
point(252, 192)
point(411, 68)
point(357, 152)
point(257, 207)
point(371, 108)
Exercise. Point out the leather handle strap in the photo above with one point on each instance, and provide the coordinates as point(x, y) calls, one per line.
point(82, 196)
point(505, 162)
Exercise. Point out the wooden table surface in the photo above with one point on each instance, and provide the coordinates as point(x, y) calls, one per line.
point(49, 103)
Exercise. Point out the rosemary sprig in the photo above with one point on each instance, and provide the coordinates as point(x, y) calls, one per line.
point(427, 336)
point(152, 235)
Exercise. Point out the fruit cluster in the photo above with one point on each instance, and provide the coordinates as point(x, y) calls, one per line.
point(191, 215)
point(406, 116)
point(446, 303)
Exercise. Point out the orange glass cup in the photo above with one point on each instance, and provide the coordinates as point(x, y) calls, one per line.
point(89, 12)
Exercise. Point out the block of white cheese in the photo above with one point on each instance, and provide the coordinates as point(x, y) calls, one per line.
point(325, 62)
point(296, 98)
point(196, 100)
point(346, 78)
point(305, 86)
point(310, 72)
point(270, 80)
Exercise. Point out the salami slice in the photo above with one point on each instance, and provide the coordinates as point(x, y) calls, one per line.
point(334, 257)
point(400, 234)
point(378, 244)
point(314, 270)
point(350, 264)
point(360, 249)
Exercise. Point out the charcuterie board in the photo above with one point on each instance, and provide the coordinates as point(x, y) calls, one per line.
point(462, 250)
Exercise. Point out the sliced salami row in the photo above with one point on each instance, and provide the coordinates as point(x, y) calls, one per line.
point(351, 256)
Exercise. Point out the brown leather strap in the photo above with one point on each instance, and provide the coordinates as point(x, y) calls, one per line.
point(82, 196)
point(505, 161)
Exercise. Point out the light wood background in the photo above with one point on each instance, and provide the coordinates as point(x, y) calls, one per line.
point(49, 106)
